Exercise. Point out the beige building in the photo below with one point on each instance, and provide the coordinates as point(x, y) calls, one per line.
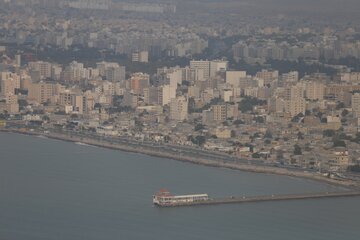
point(290, 77)
point(222, 133)
point(78, 103)
point(295, 106)
point(295, 102)
point(9, 82)
point(341, 159)
point(353, 77)
point(355, 104)
point(277, 104)
point(142, 57)
point(44, 68)
point(268, 76)
point(314, 90)
point(219, 112)
point(202, 65)
point(42, 92)
point(234, 77)
point(179, 108)
point(217, 66)
point(139, 81)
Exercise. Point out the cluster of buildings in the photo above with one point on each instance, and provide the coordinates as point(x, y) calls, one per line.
point(181, 36)
point(313, 46)
point(118, 35)
point(311, 122)
point(90, 4)
point(273, 117)
point(122, 6)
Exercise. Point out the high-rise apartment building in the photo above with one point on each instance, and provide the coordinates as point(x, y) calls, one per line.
point(355, 104)
point(9, 82)
point(217, 66)
point(153, 95)
point(314, 90)
point(179, 109)
point(234, 77)
point(42, 92)
point(268, 76)
point(91, 4)
point(202, 65)
point(44, 68)
point(142, 56)
point(290, 77)
point(209, 68)
point(219, 112)
point(115, 74)
point(139, 81)
point(295, 102)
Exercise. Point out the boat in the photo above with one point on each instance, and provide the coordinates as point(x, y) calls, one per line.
point(164, 198)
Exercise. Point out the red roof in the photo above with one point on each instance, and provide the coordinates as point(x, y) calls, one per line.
point(163, 192)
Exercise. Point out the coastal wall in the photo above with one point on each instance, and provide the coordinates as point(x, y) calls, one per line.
point(195, 160)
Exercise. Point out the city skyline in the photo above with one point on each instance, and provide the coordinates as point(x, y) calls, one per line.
point(98, 96)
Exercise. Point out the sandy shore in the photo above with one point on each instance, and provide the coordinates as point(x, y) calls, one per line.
point(199, 161)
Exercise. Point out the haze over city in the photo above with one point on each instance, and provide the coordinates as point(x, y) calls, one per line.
point(179, 119)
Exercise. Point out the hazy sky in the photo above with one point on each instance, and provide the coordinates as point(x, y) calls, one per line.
point(346, 8)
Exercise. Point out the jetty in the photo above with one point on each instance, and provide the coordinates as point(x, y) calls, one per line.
point(238, 200)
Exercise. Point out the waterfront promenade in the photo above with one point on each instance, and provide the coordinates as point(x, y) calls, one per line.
point(182, 153)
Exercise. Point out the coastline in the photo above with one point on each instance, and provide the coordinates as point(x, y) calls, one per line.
point(349, 184)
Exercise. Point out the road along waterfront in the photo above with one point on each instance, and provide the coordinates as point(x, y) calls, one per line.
point(182, 153)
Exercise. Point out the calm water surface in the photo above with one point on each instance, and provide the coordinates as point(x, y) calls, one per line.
point(56, 190)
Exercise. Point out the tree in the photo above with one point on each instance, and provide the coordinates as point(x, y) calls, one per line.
point(198, 140)
point(199, 127)
point(97, 105)
point(279, 154)
point(340, 105)
point(192, 106)
point(297, 118)
point(5, 115)
point(233, 133)
point(268, 134)
point(338, 143)
point(259, 119)
point(300, 136)
point(225, 123)
point(297, 150)
point(357, 138)
point(22, 103)
point(248, 103)
point(45, 118)
point(355, 168)
point(344, 113)
point(238, 122)
point(74, 116)
point(256, 135)
point(329, 133)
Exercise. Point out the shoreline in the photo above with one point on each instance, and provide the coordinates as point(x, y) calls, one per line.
point(349, 184)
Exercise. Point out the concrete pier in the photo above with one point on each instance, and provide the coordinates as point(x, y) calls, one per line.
point(233, 200)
